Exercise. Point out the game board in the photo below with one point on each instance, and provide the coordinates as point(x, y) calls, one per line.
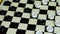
point(17, 19)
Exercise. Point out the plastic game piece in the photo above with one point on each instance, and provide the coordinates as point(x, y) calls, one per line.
point(38, 32)
point(59, 3)
point(37, 5)
point(57, 23)
point(50, 16)
point(34, 15)
point(52, 0)
point(49, 29)
point(44, 2)
point(58, 12)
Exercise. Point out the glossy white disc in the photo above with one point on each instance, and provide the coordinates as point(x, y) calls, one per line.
point(53, 0)
point(38, 32)
point(44, 2)
point(34, 15)
point(50, 16)
point(49, 29)
point(37, 5)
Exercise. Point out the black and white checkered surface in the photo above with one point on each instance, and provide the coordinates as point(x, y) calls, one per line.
point(15, 15)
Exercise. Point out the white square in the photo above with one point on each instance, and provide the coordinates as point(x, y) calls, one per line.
point(6, 24)
point(5, 8)
point(16, 19)
point(10, 0)
point(57, 29)
point(51, 12)
point(35, 11)
point(58, 0)
point(29, 6)
point(52, 3)
point(10, 13)
point(26, 15)
point(47, 33)
point(14, 4)
point(1, 17)
point(33, 21)
point(40, 28)
point(49, 23)
point(11, 31)
point(30, 32)
point(23, 1)
point(22, 26)
point(57, 18)
point(41, 16)
point(44, 7)
point(19, 9)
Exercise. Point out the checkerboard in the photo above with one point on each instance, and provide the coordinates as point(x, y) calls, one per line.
point(18, 20)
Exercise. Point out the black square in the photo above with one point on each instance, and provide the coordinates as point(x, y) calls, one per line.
point(16, 0)
point(3, 30)
point(46, 29)
point(31, 27)
point(24, 20)
point(27, 10)
point(51, 8)
point(0, 22)
point(57, 4)
point(3, 12)
point(7, 3)
point(18, 14)
point(43, 12)
point(41, 22)
point(8, 18)
point(30, 1)
point(14, 25)
point(34, 7)
point(20, 32)
point(21, 5)
point(12, 8)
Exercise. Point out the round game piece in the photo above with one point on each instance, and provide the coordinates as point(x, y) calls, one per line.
point(37, 5)
point(50, 16)
point(59, 3)
point(58, 12)
point(38, 32)
point(44, 2)
point(52, 0)
point(49, 29)
point(57, 23)
point(34, 15)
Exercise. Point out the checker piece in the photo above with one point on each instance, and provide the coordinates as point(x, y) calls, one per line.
point(50, 16)
point(38, 32)
point(49, 29)
point(37, 5)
